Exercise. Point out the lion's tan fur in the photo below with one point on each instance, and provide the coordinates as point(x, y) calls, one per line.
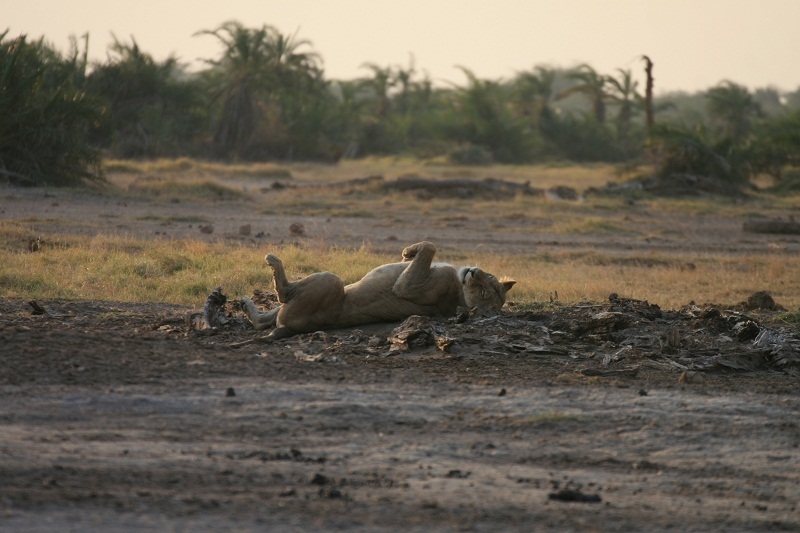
point(388, 293)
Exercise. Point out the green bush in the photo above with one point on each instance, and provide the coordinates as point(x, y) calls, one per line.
point(694, 151)
point(46, 116)
point(153, 109)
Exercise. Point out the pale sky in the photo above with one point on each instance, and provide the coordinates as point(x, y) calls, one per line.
point(694, 44)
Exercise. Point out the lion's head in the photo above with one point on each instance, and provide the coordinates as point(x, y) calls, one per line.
point(482, 289)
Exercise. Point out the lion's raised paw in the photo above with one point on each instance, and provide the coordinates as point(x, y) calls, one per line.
point(273, 261)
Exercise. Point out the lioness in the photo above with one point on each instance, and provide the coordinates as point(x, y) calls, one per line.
point(388, 293)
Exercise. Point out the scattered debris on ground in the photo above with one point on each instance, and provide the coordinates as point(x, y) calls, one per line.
point(616, 338)
point(674, 185)
point(461, 188)
point(781, 227)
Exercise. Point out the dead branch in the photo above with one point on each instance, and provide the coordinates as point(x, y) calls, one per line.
point(462, 187)
point(783, 227)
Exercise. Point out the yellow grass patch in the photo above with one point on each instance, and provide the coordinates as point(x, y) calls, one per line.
point(185, 165)
point(194, 188)
point(127, 269)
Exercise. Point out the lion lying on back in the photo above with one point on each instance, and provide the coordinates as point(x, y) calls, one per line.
point(392, 292)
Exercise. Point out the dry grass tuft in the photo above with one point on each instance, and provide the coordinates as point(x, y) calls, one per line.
point(184, 165)
point(197, 189)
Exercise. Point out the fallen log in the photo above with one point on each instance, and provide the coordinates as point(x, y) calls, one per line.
point(784, 227)
point(356, 182)
point(462, 188)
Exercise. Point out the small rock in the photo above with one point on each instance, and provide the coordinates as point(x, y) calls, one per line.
point(690, 377)
point(208, 228)
point(244, 230)
point(230, 393)
point(319, 479)
point(762, 300)
point(574, 495)
point(562, 192)
point(332, 493)
point(37, 308)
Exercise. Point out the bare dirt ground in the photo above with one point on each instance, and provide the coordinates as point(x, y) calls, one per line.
point(608, 416)
point(642, 231)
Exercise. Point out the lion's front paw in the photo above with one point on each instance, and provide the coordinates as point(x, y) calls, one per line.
point(410, 252)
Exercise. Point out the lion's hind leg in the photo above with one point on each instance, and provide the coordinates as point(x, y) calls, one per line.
point(279, 278)
point(312, 303)
point(260, 320)
point(263, 320)
point(308, 304)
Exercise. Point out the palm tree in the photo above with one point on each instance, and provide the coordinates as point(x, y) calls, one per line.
point(487, 121)
point(242, 66)
point(623, 93)
point(533, 92)
point(648, 94)
point(422, 92)
point(255, 63)
point(592, 85)
point(151, 107)
point(403, 78)
point(348, 114)
point(734, 109)
point(382, 81)
point(480, 103)
point(289, 67)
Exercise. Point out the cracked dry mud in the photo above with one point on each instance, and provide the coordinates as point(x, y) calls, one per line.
point(611, 416)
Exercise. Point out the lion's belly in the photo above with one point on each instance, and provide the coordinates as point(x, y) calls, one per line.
point(370, 304)
point(373, 299)
point(381, 309)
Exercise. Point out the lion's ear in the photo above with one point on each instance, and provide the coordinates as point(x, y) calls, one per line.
point(507, 284)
